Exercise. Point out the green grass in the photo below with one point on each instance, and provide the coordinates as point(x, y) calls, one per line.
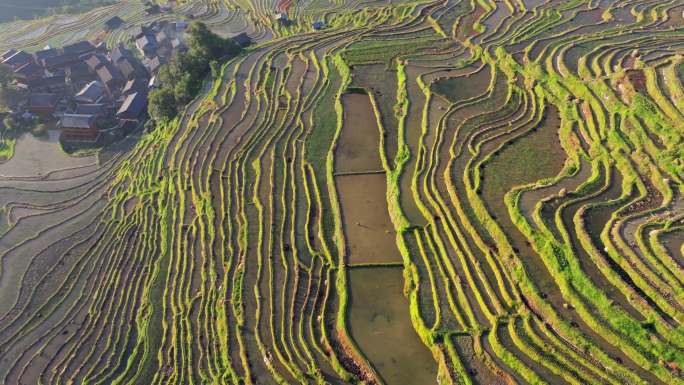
point(7, 148)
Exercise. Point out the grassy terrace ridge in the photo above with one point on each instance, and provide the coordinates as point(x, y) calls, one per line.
point(524, 160)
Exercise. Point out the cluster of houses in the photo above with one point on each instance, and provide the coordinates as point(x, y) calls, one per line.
point(283, 19)
point(91, 90)
point(159, 41)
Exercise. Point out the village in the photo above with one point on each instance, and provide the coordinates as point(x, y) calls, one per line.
point(92, 94)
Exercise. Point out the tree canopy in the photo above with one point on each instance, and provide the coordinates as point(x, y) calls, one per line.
point(181, 79)
point(162, 104)
point(6, 76)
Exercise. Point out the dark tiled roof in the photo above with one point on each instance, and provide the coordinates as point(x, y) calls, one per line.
point(18, 59)
point(146, 42)
point(46, 53)
point(78, 70)
point(153, 9)
point(29, 70)
point(120, 52)
point(134, 86)
point(114, 22)
point(108, 74)
point(180, 25)
point(131, 68)
point(154, 64)
point(90, 109)
point(78, 48)
point(7, 54)
point(95, 61)
point(158, 25)
point(161, 37)
point(133, 106)
point(91, 92)
point(50, 81)
point(242, 39)
point(138, 31)
point(60, 60)
point(77, 120)
point(43, 100)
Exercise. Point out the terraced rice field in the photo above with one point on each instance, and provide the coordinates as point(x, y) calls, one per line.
point(452, 192)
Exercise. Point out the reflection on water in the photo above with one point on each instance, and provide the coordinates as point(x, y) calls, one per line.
point(367, 226)
point(359, 143)
point(381, 326)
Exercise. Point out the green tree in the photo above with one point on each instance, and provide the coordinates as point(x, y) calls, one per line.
point(181, 78)
point(185, 89)
point(162, 104)
point(40, 130)
point(207, 45)
point(6, 76)
point(12, 126)
point(10, 97)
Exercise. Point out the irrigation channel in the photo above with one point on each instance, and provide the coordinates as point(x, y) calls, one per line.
point(452, 192)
